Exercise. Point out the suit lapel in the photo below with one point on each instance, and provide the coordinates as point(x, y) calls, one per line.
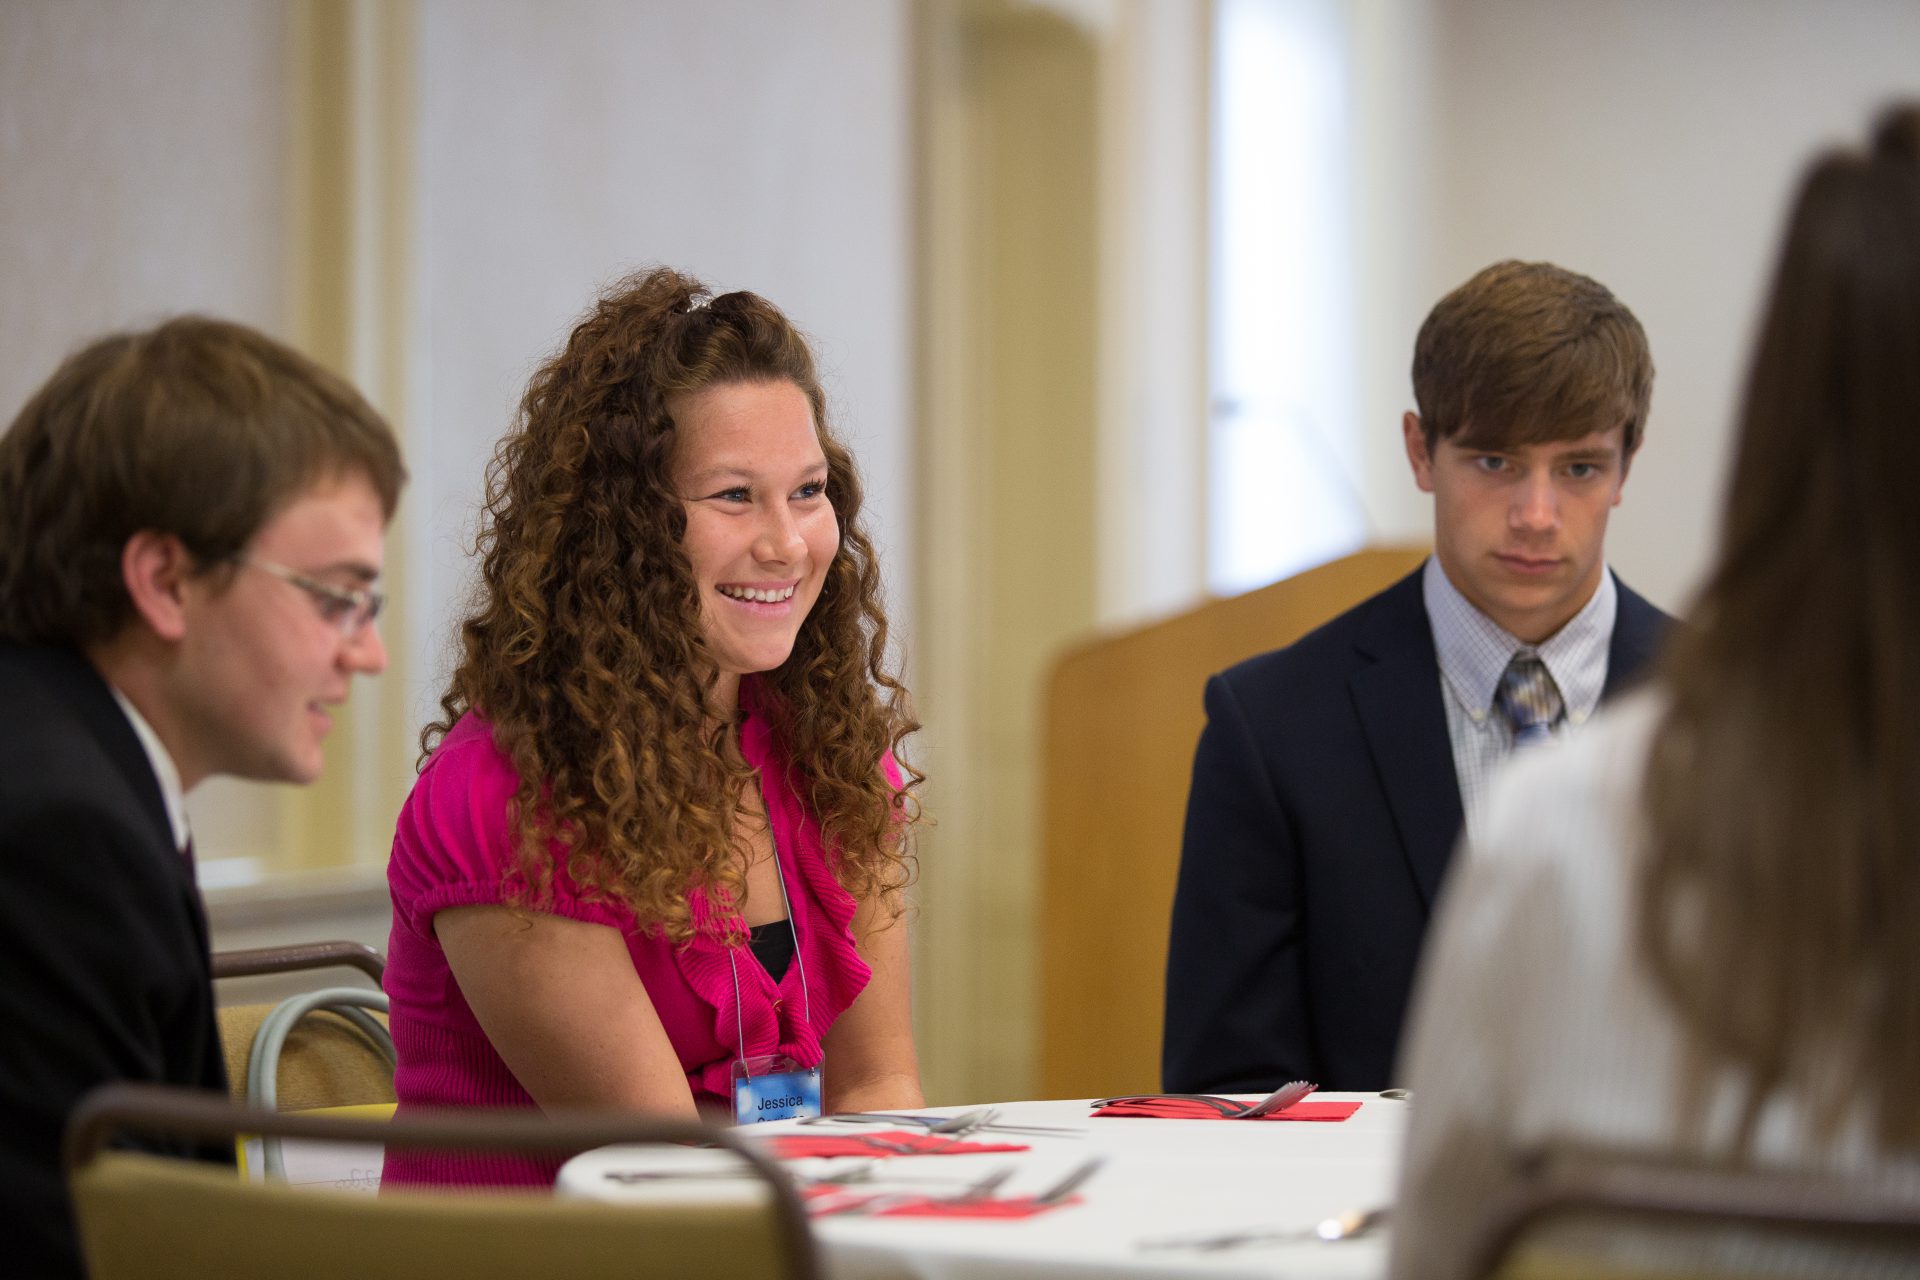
point(1398, 700)
point(93, 702)
point(1638, 628)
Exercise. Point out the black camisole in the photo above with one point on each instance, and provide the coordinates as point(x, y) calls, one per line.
point(772, 945)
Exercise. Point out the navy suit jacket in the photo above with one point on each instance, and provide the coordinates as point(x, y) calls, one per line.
point(104, 973)
point(1323, 812)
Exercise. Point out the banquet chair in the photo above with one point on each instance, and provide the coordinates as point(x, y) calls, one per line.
point(328, 1059)
point(253, 961)
point(1603, 1216)
point(155, 1218)
point(1121, 717)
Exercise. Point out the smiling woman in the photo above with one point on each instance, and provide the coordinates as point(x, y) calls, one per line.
point(760, 527)
point(657, 845)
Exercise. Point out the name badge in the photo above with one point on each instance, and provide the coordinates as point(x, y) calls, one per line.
point(773, 1086)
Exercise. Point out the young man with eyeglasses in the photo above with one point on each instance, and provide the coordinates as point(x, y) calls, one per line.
point(191, 521)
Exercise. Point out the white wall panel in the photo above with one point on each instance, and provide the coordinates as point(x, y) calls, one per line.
point(758, 146)
point(1653, 145)
point(141, 175)
point(140, 148)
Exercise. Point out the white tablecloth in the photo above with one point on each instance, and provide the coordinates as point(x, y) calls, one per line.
point(1162, 1178)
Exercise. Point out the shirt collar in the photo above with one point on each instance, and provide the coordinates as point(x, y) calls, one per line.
point(1474, 650)
point(164, 770)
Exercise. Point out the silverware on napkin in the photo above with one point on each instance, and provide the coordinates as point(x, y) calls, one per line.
point(980, 1189)
point(980, 1118)
point(1279, 1100)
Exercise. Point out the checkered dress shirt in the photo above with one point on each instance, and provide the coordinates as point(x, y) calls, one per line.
point(1474, 651)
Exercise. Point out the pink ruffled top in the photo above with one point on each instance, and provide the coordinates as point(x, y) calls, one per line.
point(453, 848)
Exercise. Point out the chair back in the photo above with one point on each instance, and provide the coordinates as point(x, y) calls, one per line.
point(1122, 715)
point(325, 1061)
point(253, 961)
point(146, 1216)
point(328, 1058)
point(1605, 1216)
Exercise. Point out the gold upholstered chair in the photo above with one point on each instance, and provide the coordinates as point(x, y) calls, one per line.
point(155, 1218)
point(1585, 1215)
point(328, 1058)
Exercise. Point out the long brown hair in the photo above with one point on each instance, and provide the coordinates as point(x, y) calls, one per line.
point(584, 649)
point(1780, 899)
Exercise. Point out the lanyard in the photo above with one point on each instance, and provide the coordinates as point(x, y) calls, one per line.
point(799, 952)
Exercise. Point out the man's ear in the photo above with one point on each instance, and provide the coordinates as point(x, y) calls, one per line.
point(1417, 456)
point(155, 568)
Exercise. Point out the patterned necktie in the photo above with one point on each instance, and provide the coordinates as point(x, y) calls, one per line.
point(1529, 698)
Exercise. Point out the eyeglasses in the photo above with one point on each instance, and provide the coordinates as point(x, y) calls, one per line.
point(346, 609)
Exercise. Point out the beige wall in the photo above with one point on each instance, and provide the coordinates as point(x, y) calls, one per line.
point(563, 144)
point(1652, 145)
point(1011, 504)
point(129, 191)
point(1062, 362)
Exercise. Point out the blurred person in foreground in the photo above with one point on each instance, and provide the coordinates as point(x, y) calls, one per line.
point(1335, 775)
point(1692, 931)
point(191, 521)
point(660, 838)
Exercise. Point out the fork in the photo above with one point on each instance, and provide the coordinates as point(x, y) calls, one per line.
point(965, 1122)
point(628, 1177)
point(1341, 1226)
point(948, 1143)
point(981, 1189)
point(1072, 1182)
point(861, 1172)
point(983, 1118)
point(1279, 1100)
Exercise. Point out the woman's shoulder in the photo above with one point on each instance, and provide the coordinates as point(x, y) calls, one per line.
point(455, 819)
point(469, 758)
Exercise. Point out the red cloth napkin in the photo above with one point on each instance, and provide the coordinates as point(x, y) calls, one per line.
point(1010, 1207)
point(1192, 1109)
point(888, 1142)
point(827, 1201)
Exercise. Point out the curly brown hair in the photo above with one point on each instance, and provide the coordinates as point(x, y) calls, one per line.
point(584, 649)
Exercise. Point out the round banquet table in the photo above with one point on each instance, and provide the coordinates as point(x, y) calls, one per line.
point(1162, 1178)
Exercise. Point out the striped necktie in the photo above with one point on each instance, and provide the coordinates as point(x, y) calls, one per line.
point(1529, 698)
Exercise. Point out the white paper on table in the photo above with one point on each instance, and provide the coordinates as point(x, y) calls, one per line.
point(345, 1166)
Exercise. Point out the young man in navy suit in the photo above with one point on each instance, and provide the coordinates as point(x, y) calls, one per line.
point(191, 522)
point(1335, 775)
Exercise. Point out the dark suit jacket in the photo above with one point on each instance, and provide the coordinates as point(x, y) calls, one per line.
point(1323, 811)
point(103, 943)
